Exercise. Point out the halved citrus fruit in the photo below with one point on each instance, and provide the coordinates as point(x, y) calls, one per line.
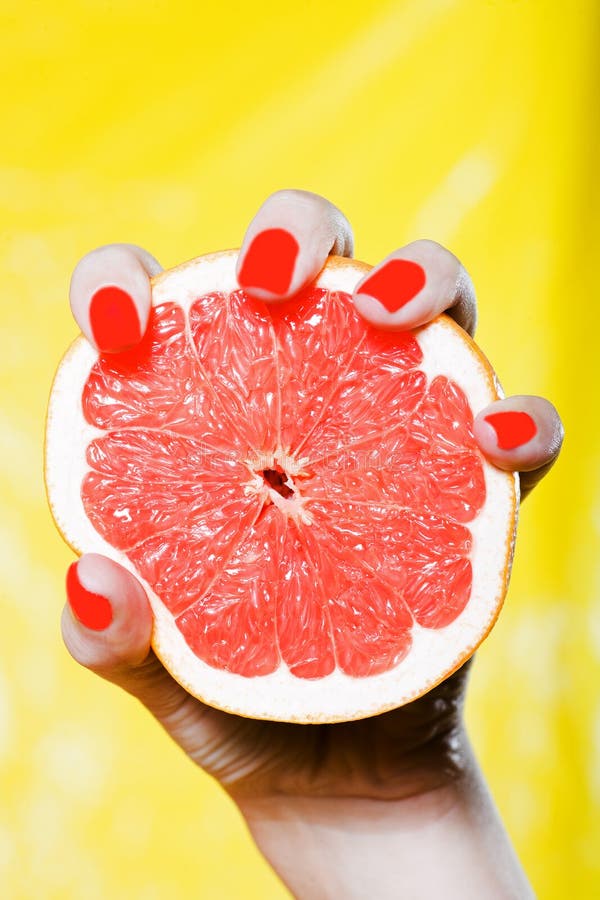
point(300, 493)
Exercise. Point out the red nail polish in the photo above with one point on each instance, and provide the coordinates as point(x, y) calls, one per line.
point(92, 610)
point(397, 282)
point(114, 319)
point(270, 260)
point(512, 428)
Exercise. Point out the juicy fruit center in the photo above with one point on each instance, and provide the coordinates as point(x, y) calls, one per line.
point(287, 480)
point(273, 482)
point(278, 480)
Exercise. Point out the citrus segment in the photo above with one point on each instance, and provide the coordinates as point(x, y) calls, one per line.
point(157, 384)
point(316, 339)
point(233, 625)
point(370, 625)
point(446, 415)
point(184, 562)
point(414, 554)
point(233, 339)
point(342, 381)
point(302, 598)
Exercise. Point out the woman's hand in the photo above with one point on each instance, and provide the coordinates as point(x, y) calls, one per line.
point(293, 782)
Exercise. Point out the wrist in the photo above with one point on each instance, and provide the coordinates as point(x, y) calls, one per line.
point(330, 847)
point(439, 835)
point(339, 843)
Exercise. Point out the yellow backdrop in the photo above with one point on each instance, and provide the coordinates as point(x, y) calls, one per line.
point(166, 124)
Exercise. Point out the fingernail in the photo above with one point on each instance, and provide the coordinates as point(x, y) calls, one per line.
point(92, 610)
point(270, 260)
point(513, 429)
point(395, 283)
point(114, 319)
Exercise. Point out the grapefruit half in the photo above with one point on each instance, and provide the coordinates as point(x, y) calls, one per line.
point(300, 494)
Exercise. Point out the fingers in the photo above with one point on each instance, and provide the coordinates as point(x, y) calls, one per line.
point(107, 627)
point(416, 283)
point(287, 243)
point(110, 295)
point(520, 433)
point(413, 285)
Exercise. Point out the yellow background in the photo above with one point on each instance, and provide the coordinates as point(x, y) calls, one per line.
point(167, 124)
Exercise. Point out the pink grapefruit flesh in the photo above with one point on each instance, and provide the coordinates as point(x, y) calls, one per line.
point(300, 494)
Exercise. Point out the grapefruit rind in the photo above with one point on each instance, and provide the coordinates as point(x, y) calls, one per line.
point(280, 696)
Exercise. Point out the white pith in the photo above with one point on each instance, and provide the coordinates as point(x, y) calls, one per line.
point(281, 695)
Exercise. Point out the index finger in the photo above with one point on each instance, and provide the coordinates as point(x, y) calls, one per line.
point(110, 295)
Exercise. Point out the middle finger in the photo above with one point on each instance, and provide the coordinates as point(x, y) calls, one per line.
point(413, 285)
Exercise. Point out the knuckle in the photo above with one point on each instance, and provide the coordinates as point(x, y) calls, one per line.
point(429, 244)
point(89, 267)
point(114, 255)
point(297, 197)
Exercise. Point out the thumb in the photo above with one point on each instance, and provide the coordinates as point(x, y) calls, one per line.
point(107, 627)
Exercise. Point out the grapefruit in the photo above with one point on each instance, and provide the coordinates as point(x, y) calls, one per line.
point(300, 494)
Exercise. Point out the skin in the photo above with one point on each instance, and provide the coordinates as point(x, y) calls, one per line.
point(353, 809)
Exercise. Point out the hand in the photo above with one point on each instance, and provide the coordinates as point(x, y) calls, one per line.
point(417, 751)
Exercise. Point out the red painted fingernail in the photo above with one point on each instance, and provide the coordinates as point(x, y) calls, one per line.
point(512, 428)
point(114, 319)
point(397, 282)
point(270, 260)
point(92, 610)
